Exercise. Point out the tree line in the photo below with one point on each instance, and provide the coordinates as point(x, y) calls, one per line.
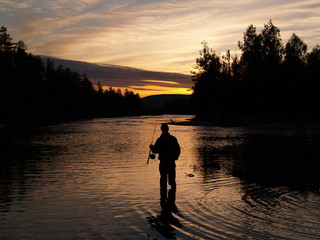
point(270, 80)
point(36, 91)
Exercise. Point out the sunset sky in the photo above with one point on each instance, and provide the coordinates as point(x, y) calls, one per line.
point(154, 35)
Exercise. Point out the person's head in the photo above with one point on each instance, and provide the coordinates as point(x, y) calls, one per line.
point(164, 128)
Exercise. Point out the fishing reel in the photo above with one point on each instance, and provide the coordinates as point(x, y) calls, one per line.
point(152, 156)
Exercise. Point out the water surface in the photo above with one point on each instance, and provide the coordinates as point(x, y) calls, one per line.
point(89, 180)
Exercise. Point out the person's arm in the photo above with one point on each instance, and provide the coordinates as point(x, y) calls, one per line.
point(155, 148)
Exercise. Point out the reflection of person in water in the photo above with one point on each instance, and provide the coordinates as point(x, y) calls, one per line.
point(164, 222)
point(169, 150)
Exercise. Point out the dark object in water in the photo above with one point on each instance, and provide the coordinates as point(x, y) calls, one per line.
point(189, 175)
point(152, 156)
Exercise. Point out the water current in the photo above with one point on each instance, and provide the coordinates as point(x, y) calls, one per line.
point(89, 180)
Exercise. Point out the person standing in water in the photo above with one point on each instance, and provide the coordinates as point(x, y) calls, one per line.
point(169, 150)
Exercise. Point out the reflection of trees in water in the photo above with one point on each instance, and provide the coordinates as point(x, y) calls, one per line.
point(20, 162)
point(290, 159)
point(213, 152)
point(281, 159)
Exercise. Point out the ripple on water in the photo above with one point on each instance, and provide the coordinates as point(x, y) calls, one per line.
point(226, 209)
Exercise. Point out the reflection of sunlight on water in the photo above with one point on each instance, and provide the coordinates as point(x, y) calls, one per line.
point(90, 180)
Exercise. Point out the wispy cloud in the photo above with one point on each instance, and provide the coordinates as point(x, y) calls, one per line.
point(158, 35)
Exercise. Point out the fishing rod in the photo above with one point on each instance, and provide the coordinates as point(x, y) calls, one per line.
point(149, 155)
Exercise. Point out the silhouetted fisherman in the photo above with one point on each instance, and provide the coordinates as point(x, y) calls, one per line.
point(169, 150)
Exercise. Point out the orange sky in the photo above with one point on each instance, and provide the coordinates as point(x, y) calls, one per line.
point(155, 90)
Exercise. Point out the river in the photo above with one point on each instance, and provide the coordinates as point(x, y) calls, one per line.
point(89, 180)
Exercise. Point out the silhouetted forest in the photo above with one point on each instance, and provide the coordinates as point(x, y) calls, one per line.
point(269, 80)
point(35, 92)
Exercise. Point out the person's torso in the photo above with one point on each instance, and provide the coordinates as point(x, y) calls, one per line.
point(168, 147)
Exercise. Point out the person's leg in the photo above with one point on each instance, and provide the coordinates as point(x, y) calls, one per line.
point(171, 202)
point(172, 175)
point(163, 181)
